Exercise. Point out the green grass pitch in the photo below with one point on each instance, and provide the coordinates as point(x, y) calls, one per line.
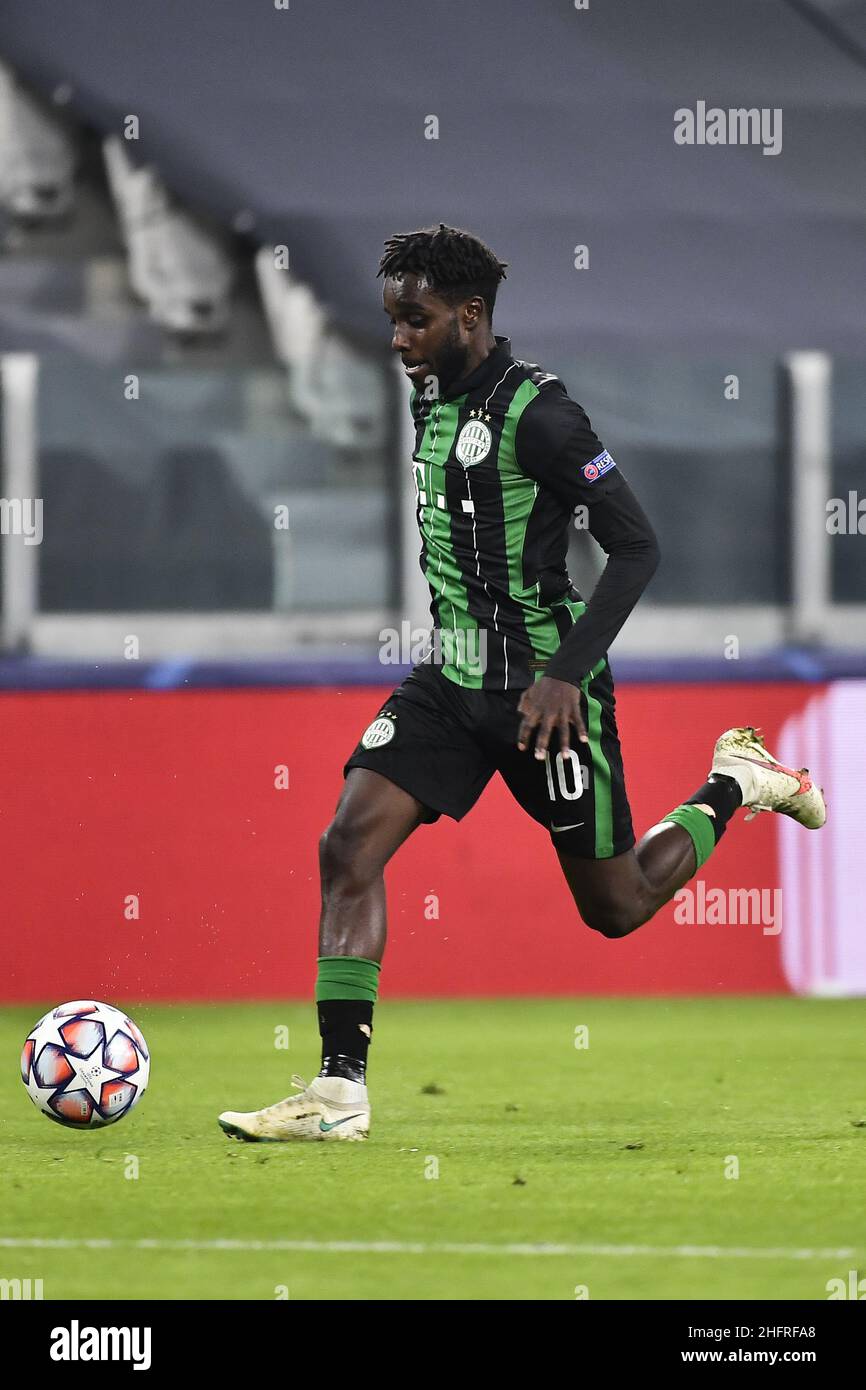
point(617, 1153)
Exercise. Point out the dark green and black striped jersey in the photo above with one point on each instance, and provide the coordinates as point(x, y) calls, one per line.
point(501, 462)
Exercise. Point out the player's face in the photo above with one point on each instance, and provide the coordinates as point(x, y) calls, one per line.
point(433, 338)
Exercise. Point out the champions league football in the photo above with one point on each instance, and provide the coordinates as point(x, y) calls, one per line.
point(85, 1065)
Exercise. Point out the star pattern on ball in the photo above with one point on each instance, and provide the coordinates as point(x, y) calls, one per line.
point(91, 1072)
point(49, 1031)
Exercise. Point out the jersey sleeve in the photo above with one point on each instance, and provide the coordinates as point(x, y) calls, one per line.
point(556, 445)
point(619, 524)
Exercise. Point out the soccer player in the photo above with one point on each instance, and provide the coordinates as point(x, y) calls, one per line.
point(517, 680)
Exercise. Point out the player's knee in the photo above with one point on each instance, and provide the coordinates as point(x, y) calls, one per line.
point(343, 861)
point(609, 920)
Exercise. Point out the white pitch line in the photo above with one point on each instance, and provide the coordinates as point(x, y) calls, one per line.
point(399, 1247)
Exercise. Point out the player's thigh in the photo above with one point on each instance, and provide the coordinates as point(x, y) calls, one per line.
point(578, 793)
point(373, 818)
point(423, 740)
point(609, 893)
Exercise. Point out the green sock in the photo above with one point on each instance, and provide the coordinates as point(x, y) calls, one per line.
point(347, 977)
point(699, 827)
point(346, 991)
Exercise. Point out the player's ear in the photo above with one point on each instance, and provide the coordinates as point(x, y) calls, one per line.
point(473, 313)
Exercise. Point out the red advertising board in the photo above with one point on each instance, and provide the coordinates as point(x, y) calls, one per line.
point(151, 854)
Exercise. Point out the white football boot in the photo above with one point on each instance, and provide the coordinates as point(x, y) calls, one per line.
point(329, 1108)
point(766, 784)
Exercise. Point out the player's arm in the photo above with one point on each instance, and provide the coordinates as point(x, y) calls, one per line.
point(557, 446)
point(617, 521)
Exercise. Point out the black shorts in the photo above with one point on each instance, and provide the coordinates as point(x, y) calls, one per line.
point(442, 743)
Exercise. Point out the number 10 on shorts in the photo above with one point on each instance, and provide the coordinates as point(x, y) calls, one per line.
point(572, 782)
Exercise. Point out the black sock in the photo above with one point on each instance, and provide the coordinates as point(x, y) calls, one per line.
point(723, 794)
point(346, 1027)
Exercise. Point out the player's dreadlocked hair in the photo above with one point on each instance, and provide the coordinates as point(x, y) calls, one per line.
point(455, 264)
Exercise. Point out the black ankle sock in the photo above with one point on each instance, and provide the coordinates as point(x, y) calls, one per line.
point(346, 1027)
point(724, 795)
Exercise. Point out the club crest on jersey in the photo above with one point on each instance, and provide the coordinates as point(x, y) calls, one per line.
point(603, 463)
point(473, 443)
point(379, 732)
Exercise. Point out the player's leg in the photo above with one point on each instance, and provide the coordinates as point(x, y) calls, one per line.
point(616, 895)
point(414, 762)
point(580, 796)
point(616, 885)
point(373, 818)
point(420, 747)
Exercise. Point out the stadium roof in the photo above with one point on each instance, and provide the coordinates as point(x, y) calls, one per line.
point(556, 129)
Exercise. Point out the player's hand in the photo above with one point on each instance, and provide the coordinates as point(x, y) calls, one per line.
point(547, 705)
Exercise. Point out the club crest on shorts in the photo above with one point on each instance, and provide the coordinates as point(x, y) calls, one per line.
point(380, 731)
point(473, 443)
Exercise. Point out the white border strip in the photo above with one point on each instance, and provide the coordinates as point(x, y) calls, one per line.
point(400, 1247)
point(205, 636)
point(19, 374)
point(676, 630)
point(811, 484)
